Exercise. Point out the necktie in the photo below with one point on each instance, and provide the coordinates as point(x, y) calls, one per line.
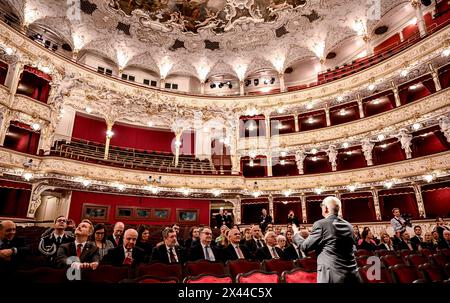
point(239, 252)
point(172, 256)
point(258, 243)
point(79, 247)
point(299, 252)
point(117, 240)
point(128, 258)
point(275, 255)
point(58, 240)
point(207, 256)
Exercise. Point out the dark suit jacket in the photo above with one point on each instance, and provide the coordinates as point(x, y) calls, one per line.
point(443, 244)
point(197, 252)
point(159, 254)
point(49, 248)
point(113, 241)
point(252, 246)
point(403, 245)
point(416, 240)
point(291, 253)
point(229, 253)
point(367, 246)
point(332, 239)
point(263, 253)
point(16, 259)
point(263, 222)
point(220, 220)
point(116, 256)
point(89, 253)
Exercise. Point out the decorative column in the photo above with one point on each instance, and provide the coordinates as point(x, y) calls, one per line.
point(360, 107)
point(267, 123)
point(332, 156)
point(396, 94)
point(270, 198)
point(304, 215)
point(327, 115)
point(419, 15)
point(435, 76)
point(367, 148)
point(120, 72)
point(35, 199)
point(202, 87)
point(12, 80)
point(282, 85)
point(376, 203)
point(402, 38)
point(178, 134)
point(6, 119)
point(297, 127)
point(235, 164)
point(269, 164)
point(109, 134)
point(444, 124)
point(237, 210)
point(241, 88)
point(162, 83)
point(300, 156)
point(419, 199)
point(405, 140)
point(45, 141)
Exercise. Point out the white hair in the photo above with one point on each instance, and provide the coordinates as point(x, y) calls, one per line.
point(269, 234)
point(333, 204)
point(281, 237)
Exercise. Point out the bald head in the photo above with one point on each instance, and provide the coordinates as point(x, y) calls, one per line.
point(119, 227)
point(130, 238)
point(446, 235)
point(330, 206)
point(7, 230)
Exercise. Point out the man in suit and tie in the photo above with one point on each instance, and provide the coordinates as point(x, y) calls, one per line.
point(406, 242)
point(220, 218)
point(127, 253)
point(168, 252)
point(445, 242)
point(13, 250)
point(180, 240)
point(269, 251)
point(204, 251)
point(79, 254)
point(264, 220)
point(234, 250)
point(49, 244)
point(332, 239)
point(417, 239)
point(116, 237)
point(255, 242)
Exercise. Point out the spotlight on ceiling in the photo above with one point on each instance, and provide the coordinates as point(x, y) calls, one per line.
point(388, 184)
point(220, 85)
point(416, 126)
point(272, 81)
point(247, 82)
point(428, 178)
point(213, 85)
point(230, 86)
point(256, 82)
point(371, 87)
point(446, 52)
point(381, 137)
point(266, 81)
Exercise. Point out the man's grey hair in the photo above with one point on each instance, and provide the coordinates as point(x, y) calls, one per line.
point(446, 232)
point(333, 204)
point(281, 237)
point(269, 234)
point(201, 229)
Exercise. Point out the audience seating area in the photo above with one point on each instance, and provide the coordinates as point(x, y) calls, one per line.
point(132, 158)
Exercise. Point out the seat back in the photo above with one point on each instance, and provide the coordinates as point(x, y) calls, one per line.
point(106, 274)
point(258, 276)
point(160, 270)
point(384, 252)
point(363, 252)
point(433, 273)
point(204, 267)
point(384, 277)
point(427, 252)
point(416, 260)
point(277, 265)
point(308, 263)
point(361, 261)
point(439, 260)
point(236, 267)
point(391, 260)
point(405, 274)
point(299, 275)
point(208, 278)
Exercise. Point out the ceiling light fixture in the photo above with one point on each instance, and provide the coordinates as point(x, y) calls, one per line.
point(416, 126)
point(216, 192)
point(283, 162)
point(109, 134)
point(318, 191)
point(340, 99)
point(381, 137)
point(27, 176)
point(383, 146)
point(413, 87)
point(388, 184)
point(428, 178)
point(8, 51)
point(351, 188)
point(36, 126)
point(404, 73)
point(310, 120)
point(314, 151)
point(345, 145)
point(309, 106)
point(446, 52)
point(371, 87)
point(287, 193)
point(343, 112)
point(283, 154)
point(88, 110)
point(86, 182)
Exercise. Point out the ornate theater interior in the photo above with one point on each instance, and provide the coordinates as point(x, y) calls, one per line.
point(169, 112)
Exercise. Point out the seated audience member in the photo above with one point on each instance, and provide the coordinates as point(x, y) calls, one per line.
point(234, 250)
point(356, 234)
point(436, 238)
point(406, 242)
point(223, 230)
point(143, 240)
point(50, 242)
point(278, 231)
point(204, 250)
point(289, 236)
point(224, 242)
point(397, 239)
point(126, 254)
point(367, 241)
point(193, 237)
point(281, 242)
point(256, 241)
point(116, 237)
point(440, 227)
point(220, 219)
point(81, 253)
point(386, 242)
point(247, 235)
point(13, 250)
point(168, 252)
point(99, 238)
point(417, 239)
point(265, 219)
point(269, 227)
point(269, 251)
point(428, 242)
point(292, 218)
point(445, 243)
point(293, 252)
point(71, 226)
point(180, 240)
point(228, 218)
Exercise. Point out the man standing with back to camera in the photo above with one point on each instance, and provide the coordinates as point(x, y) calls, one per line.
point(332, 238)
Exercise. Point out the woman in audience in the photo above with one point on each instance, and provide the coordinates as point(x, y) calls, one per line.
point(356, 234)
point(281, 242)
point(99, 237)
point(223, 243)
point(222, 237)
point(143, 240)
point(289, 236)
point(428, 242)
point(247, 235)
point(386, 242)
point(367, 241)
point(194, 237)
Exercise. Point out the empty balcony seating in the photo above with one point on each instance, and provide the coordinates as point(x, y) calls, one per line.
point(132, 158)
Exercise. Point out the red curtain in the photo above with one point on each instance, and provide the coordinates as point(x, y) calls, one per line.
point(34, 87)
point(21, 138)
point(392, 152)
point(383, 103)
point(281, 210)
point(410, 31)
point(388, 43)
point(429, 141)
point(80, 198)
point(287, 125)
point(288, 169)
point(316, 164)
point(402, 198)
point(259, 168)
point(312, 120)
point(350, 158)
point(358, 207)
point(37, 72)
point(258, 123)
point(89, 128)
point(344, 113)
point(436, 199)
point(14, 202)
point(424, 87)
point(15, 185)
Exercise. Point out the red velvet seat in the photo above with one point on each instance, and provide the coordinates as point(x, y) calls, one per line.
point(385, 276)
point(42, 275)
point(160, 270)
point(258, 276)
point(405, 274)
point(406, 252)
point(308, 263)
point(391, 260)
point(152, 280)
point(384, 252)
point(361, 261)
point(439, 260)
point(236, 267)
point(208, 278)
point(363, 252)
point(277, 265)
point(106, 274)
point(299, 275)
point(416, 260)
point(204, 267)
point(427, 252)
point(433, 273)
point(445, 252)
